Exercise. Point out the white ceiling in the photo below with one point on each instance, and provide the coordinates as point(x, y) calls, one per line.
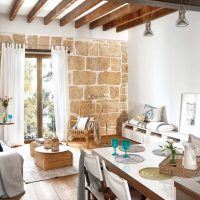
point(6, 5)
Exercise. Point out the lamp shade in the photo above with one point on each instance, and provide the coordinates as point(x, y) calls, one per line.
point(148, 32)
point(182, 21)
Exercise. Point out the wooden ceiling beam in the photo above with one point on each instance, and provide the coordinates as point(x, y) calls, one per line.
point(102, 10)
point(142, 19)
point(175, 4)
point(58, 10)
point(83, 7)
point(33, 13)
point(129, 8)
point(129, 17)
point(15, 8)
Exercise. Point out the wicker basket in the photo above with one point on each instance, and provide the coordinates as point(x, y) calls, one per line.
point(48, 161)
point(166, 167)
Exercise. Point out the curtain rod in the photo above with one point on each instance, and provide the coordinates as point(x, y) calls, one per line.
point(44, 51)
point(28, 50)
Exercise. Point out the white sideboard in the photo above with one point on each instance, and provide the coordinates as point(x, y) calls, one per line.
point(141, 135)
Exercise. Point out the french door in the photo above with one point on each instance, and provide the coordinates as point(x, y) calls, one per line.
point(38, 97)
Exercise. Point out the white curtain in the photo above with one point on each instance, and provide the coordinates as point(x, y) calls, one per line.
point(12, 85)
point(61, 90)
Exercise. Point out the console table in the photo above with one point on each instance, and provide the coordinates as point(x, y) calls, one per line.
point(143, 135)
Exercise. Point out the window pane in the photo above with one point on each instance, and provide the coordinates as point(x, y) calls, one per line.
point(30, 98)
point(48, 98)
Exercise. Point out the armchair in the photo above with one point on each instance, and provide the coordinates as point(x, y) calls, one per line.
point(92, 111)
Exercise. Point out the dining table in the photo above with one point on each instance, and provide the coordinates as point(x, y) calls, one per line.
point(152, 189)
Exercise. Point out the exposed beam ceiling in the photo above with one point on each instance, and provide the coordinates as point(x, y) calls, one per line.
point(15, 8)
point(33, 13)
point(141, 20)
point(102, 10)
point(194, 4)
point(130, 17)
point(85, 6)
point(119, 14)
point(129, 8)
point(58, 10)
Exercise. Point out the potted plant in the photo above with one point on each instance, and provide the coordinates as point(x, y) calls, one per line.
point(169, 147)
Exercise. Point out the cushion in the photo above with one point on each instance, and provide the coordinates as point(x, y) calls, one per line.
point(82, 123)
point(166, 128)
point(1, 148)
point(133, 122)
point(152, 114)
point(196, 141)
point(90, 124)
point(140, 117)
point(153, 126)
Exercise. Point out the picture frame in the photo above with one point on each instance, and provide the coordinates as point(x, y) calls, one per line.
point(190, 114)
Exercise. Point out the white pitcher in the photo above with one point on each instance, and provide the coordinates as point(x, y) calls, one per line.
point(190, 152)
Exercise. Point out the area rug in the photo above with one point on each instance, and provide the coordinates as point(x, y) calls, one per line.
point(32, 173)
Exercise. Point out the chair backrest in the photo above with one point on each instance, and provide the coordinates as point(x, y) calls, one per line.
point(118, 185)
point(92, 165)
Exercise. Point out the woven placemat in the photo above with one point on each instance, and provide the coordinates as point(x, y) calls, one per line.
point(153, 173)
point(133, 149)
point(158, 152)
point(132, 159)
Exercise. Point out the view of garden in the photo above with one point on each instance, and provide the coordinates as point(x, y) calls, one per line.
point(30, 98)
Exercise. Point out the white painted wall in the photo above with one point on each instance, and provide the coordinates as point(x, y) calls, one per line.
point(164, 66)
point(37, 27)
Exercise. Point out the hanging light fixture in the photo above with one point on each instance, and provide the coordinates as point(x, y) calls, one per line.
point(182, 21)
point(148, 32)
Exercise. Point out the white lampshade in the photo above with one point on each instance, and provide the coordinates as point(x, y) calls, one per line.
point(148, 32)
point(182, 21)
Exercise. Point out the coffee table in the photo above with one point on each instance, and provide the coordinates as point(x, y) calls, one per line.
point(46, 159)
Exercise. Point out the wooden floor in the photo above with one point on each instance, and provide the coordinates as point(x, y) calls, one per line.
point(63, 188)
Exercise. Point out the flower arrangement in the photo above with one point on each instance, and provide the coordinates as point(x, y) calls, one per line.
point(5, 101)
point(170, 146)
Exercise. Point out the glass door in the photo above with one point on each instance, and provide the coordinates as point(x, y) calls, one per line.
point(39, 119)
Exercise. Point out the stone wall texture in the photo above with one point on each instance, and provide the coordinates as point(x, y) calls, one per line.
point(98, 72)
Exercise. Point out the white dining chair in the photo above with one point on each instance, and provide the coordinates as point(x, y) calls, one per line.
point(117, 185)
point(94, 177)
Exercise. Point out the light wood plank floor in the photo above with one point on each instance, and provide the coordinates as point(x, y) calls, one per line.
point(62, 188)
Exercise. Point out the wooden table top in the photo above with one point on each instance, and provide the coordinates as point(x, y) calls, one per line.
point(153, 189)
point(190, 187)
point(7, 123)
point(41, 149)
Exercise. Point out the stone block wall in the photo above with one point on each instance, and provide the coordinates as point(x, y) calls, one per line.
point(98, 71)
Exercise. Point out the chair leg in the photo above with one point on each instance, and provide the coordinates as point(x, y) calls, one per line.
point(88, 193)
point(94, 198)
point(87, 142)
point(67, 140)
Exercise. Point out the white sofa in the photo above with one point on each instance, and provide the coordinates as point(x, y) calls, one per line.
point(11, 173)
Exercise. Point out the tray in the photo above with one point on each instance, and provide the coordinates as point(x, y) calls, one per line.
point(166, 167)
